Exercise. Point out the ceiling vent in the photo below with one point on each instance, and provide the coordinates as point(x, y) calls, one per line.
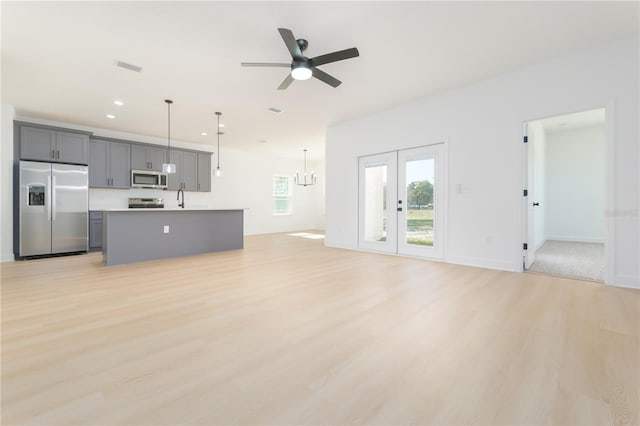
point(127, 66)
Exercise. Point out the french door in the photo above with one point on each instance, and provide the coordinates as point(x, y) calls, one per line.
point(401, 202)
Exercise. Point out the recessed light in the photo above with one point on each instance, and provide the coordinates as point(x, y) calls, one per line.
point(262, 141)
point(111, 116)
point(119, 103)
point(203, 134)
point(220, 125)
point(275, 110)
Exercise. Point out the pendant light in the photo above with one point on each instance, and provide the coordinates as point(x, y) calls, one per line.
point(307, 179)
point(168, 167)
point(218, 172)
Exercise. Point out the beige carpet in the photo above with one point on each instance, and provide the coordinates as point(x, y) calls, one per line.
point(569, 259)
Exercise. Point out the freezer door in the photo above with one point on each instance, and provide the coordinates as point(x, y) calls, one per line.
point(35, 208)
point(69, 216)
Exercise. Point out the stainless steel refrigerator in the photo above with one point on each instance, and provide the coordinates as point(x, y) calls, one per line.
point(53, 208)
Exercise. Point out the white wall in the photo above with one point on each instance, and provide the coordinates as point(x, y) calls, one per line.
point(246, 184)
point(6, 182)
point(482, 125)
point(575, 183)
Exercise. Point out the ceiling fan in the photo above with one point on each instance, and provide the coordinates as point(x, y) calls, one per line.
point(303, 68)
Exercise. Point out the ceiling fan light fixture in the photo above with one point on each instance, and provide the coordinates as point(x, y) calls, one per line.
point(301, 72)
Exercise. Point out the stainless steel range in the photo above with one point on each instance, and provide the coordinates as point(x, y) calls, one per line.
point(146, 203)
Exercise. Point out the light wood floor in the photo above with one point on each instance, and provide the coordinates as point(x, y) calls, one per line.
point(288, 331)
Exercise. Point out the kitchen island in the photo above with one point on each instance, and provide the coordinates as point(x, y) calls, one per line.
point(138, 235)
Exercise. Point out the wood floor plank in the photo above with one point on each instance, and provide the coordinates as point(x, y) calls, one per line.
point(287, 331)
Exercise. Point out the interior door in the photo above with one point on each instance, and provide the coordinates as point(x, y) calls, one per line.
point(377, 224)
point(529, 253)
point(420, 207)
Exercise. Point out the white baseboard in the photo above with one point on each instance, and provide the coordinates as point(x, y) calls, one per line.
point(574, 239)
point(501, 265)
point(7, 258)
point(627, 281)
point(338, 244)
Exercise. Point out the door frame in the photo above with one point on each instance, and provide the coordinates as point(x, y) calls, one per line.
point(441, 254)
point(609, 165)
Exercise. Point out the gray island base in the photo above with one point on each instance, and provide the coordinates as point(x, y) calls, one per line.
point(138, 235)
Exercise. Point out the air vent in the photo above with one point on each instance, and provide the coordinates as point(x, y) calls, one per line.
point(275, 110)
point(127, 66)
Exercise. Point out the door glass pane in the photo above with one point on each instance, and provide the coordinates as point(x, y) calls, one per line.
point(375, 209)
point(420, 202)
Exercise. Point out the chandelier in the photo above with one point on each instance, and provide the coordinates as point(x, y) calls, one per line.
point(307, 178)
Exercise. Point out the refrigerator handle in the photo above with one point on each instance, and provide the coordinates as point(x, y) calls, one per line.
point(52, 205)
point(48, 200)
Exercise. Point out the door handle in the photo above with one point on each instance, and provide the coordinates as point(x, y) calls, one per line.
point(49, 196)
point(399, 209)
point(53, 198)
point(536, 204)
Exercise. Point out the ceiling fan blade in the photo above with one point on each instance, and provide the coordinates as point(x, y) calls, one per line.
point(264, 64)
point(291, 43)
point(286, 82)
point(334, 57)
point(323, 76)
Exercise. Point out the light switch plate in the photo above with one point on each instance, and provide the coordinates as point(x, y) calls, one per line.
point(166, 229)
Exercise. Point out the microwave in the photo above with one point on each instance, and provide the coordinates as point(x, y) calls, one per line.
point(148, 179)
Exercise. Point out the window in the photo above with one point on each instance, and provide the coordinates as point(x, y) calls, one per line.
point(281, 195)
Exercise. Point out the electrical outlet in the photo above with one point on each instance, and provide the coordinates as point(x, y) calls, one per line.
point(166, 229)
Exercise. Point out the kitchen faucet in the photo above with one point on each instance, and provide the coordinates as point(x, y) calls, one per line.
point(180, 204)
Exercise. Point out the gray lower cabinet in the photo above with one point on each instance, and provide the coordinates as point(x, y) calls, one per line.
point(109, 164)
point(95, 230)
point(186, 176)
point(204, 172)
point(56, 146)
point(147, 157)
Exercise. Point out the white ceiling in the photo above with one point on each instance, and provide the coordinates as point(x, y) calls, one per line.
point(576, 120)
point(58, 60)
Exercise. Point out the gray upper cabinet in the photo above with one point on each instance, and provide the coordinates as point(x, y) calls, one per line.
point(186, 176)
point(109, 164)
point(204, 172)
point(72, 147)
point(147, 157)
point(57, 146)
point(37, 144)
point(190, 171)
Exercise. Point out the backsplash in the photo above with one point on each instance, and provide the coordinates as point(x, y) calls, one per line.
point(100, 199)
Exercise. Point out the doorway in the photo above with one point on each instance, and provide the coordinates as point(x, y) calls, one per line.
point(401, 202)
point(565, 195)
